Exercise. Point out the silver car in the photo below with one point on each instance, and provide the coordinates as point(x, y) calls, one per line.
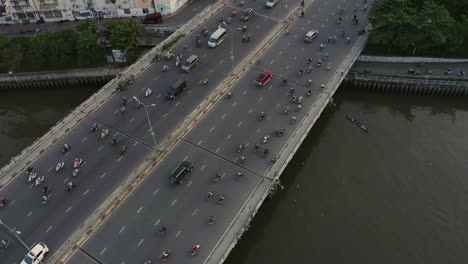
point(271, 3)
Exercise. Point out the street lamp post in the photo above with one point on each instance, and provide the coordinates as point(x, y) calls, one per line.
point(232, 46)
point(149, 120)
point(15, 234)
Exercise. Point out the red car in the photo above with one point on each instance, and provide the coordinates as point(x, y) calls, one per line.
point(264, 78)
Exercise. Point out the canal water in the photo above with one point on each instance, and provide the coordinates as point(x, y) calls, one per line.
point(397, 194)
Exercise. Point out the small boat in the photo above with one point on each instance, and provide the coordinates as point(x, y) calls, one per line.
point(357, 123)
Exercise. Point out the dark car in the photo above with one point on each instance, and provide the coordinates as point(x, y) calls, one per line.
point(248, 13)
point(264, 78)
point(177, 176)
point(176, 88)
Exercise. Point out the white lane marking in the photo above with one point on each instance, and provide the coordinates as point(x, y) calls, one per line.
point(212, 70)
point(84, 163)
point(172, 204)
point(287, 67)
point(131, 120)
point(201, 169)
point(223, 116)
point(134, 144)
point(217, 150)
point(164, 116)
point(48, 229)
point(103, 175)
point(12, 202)
point(281, 52)
point(189, 91)
point(178, 233)
point(177, 103)
point(120, 158)
point(221, 61)
point(156, 191)
point(139, 210)
point(261, 98)
point(211, 130)
point(30, 213)
point(123, 228)
point(157, 222)
point(99, 149)
point(69, 208)
point(49, 169)
point(102, 252)
point(85, 192)
point(194, 212)
point(234, 104)
point(244, 92)
point(142, 89)
point(240, 123)
point(66, 180)
point(273, 61)
point(258, 131)
point(188, 185)
point(186, 157)
point(154, 79)
point(141, 242)
point(83, 139)
point(271, 86)
point(228, 137)
point(250, 111)
point(159, 95)
point(66, 154)
point(199, 142)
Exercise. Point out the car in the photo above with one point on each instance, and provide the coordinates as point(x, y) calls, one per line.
point(248, 13)
point(36, 254)
point(177, 176)
point(309, 36)
point(176, 88)
point(271, 3)
point(264, 78)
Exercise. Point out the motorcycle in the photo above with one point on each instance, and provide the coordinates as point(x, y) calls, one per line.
point(265, 139)
point(212, 220)
point(59, 166)
point(221, 199)
point(239, 175)
point(195, 250)
point(218, 178)
point(77, 163)
point(104, 133)
point(262, 116)
point(66, 148)
point(148, 92)
point(39, 180)
point(3, 202)
point(279, 132)
point(93, 128)
point(75, 172)
point(123, 150)
point(70, 186)
point(165, 255)
point(246, 38)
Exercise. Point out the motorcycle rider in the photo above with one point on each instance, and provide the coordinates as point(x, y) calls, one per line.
point(70, 186)
point(124, 149)
point(221, 199)
point(210, 195)
point(165, 255)
point(44, 199)
point(162, 229)
point(291, 91)
point(309, 92)
point(66, 147)
point(115, 140)
point(241, 147)
point(3, 201)
point(262, 115)
point(195, 249)
point(286, 110)
point(239, 175)
point(4, 243)
point(229, 95)
point(165, 68)
point(284, 81)
point(124, 101)
point(212, 220)
point(256, 147)
point(242, 159)
point(205, 80)
point(94, 127)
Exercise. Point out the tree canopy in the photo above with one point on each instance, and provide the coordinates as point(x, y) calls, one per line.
point(412, 24)
point(124, 35)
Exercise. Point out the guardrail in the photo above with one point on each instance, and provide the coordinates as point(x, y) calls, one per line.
point(415, 81)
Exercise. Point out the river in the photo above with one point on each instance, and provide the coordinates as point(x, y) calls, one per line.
point(394, 195)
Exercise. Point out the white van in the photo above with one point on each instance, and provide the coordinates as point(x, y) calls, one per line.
point(217, 37)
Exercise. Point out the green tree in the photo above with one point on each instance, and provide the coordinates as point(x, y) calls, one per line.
point(88, 48)
point(87, 24)
point(406, 24)
point(124, 35)
point(38, 51)
point(52, 49)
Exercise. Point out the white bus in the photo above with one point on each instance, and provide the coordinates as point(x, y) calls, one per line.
point(217, 37)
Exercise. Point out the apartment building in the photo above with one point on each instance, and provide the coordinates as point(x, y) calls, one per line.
point(30, 11)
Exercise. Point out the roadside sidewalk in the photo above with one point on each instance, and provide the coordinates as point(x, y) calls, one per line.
point(180, 17)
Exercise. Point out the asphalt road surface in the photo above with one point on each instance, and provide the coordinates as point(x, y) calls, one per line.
point(131, 234)
point(104, 169)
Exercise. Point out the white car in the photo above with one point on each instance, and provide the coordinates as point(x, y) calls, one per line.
point(271, 3)
point(36, 254)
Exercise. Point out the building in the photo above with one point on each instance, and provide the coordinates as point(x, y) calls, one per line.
point(29, 11)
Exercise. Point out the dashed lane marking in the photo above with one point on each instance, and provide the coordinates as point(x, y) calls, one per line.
point(103, 175)
point(172, 204)
point(87, 190)
point(69, 208)
point(221, 61)
point(131, 120)
point(234, 104)
point(139, 210)
point(229, 136)
point(49, 169)
point(188, 185)
point(100, 148)
point(211, 130)
point(177, 103)
point(260, 99)
point(156, 191)
point(48, 229)
point(120, 158)
point(141, 242)
point(186, 157)
point(194, 212)
point(222, 117)
point(122, 229)
point(67, 179)
point(164, 116)
point(157, 222)
point(199, 142)
point(84, 139)
point(244, 92)
point(240, 123)
point(136, 143)
point(155, 78)
point(178, 233)
point(217, 150)
point(203, 167)
point(250, 111)
point(66, 154)
point(30, 213)
point(102, 252)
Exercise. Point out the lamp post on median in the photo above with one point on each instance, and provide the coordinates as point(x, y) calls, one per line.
point(149, 120)
point(232, 45)
point(15, 234)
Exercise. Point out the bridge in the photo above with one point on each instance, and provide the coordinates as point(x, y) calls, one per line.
point(120, 201)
